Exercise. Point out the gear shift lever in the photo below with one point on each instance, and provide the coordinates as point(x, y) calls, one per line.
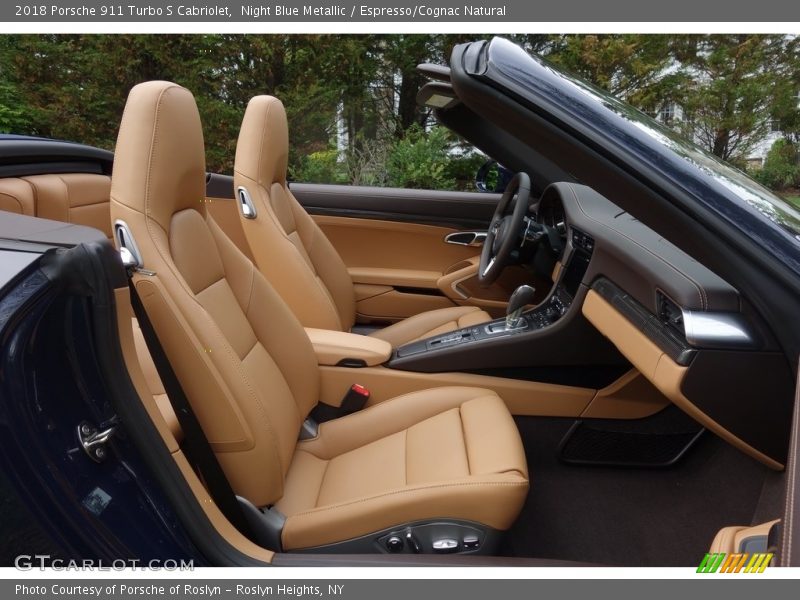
point(522, 296)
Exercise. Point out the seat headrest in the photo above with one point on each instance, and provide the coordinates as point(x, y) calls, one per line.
point(159, 162)
point(262, 152)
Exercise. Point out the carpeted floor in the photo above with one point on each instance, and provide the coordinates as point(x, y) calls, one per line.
point(630, 516)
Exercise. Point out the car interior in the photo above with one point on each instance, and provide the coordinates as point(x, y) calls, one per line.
point(534, 374)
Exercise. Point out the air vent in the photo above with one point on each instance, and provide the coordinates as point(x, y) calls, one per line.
point(670, 313)
point(582, 241)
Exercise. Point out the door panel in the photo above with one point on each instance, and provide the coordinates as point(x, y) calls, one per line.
point(392, 245)
point(413, 268)
point(457, 210)
point(395, 266)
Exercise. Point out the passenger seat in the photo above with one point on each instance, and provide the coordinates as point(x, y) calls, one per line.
point(437, 470)
point(292, 251)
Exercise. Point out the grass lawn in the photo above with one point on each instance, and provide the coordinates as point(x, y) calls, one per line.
point(794, 200)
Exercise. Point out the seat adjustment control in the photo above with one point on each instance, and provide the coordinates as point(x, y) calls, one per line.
point(394, 544)
point(445, 546)
point(438, 537)
point(471, 542)
point(412, 542)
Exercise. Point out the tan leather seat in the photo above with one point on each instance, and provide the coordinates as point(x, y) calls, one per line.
point(291, 250)
point(251, 374)
point(79, 198)
point(16, 196)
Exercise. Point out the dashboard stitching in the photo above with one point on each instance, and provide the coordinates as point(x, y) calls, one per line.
point(700, 292)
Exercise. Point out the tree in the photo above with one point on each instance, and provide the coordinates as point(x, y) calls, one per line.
point(13, 114)
point(75, 86)
point(781, 168)
point(633, 67)
point(731, 86)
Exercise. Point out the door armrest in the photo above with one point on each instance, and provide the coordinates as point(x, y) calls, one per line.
point(348, 349)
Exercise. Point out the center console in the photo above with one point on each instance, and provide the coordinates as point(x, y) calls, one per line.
point(545, 314)
point(554, 310)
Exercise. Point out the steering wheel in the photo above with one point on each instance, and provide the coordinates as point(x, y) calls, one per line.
point(504, 229)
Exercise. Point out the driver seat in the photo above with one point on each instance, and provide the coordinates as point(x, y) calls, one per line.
point(440, 461)
point(291, 250)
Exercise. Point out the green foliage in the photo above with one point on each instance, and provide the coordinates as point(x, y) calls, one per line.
point(781, 168)
point(463, 168)
point(320, 167)
point(13, 114)
point(732, 85)
point(74, 87)
point(420, 160)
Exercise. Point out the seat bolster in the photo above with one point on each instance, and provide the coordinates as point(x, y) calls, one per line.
point(284, 261)
point(492, 439)
point(432, 322)
point(386, 418)
point(493, 500)
point(476, 317)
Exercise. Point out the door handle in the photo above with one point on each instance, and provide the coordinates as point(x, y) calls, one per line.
point(466, 238)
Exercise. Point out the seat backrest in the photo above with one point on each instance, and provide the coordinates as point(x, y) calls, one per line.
point(243, 359)
point(288, 246)
point(16, 196)
point(78, 198)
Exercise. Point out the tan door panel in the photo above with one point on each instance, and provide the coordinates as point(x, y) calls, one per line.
point(392, 305)
point(381, 255)
point(388, 253)
point(460, 283)
point(392, 245)
point(395, 277)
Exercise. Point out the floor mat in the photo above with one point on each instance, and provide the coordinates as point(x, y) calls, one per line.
point(630, 516)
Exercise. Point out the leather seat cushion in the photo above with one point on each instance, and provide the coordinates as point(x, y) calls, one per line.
point(433, 322)
point(451, 452)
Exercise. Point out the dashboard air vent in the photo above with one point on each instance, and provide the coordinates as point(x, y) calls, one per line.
point(670, 313)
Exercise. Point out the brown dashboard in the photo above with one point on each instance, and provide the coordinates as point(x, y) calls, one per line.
point(685, 329)
point(623, 295)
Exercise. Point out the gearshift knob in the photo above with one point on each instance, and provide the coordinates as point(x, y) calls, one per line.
point(522, 296)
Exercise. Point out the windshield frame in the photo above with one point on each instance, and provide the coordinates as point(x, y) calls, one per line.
point(644, 145)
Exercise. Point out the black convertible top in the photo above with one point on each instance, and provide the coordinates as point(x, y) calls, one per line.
point(26, 155)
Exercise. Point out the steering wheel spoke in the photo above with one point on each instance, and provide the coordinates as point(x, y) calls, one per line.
point(505, 230)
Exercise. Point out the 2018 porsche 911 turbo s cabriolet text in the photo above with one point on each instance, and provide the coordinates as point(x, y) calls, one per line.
point(595, 365)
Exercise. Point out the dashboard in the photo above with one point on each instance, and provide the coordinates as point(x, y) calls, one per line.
point(621, 292)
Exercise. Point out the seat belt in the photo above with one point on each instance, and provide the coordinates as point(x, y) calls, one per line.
point(195, 443)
